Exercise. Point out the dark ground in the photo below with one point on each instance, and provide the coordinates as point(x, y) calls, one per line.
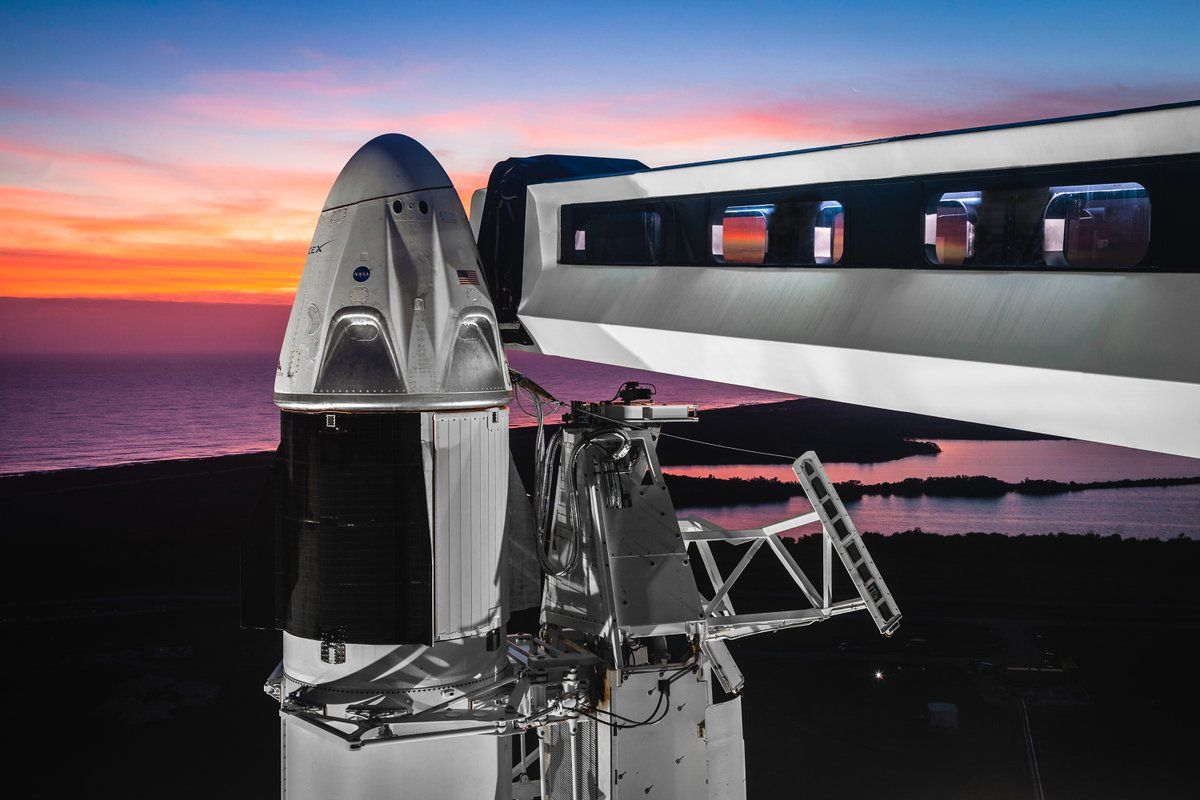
point(127, 672)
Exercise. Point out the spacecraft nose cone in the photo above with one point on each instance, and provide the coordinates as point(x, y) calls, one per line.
point(387, 165)
point(391, 313)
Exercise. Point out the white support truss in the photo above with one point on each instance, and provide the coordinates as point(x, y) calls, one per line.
point(838, 534)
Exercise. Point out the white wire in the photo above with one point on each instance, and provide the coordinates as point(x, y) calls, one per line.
point(693, 441)
point(542, 513)
point(561, 404)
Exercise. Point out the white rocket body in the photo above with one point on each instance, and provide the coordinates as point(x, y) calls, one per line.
point(393, 390)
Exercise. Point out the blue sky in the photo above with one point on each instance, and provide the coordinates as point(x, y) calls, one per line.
point(202, 137)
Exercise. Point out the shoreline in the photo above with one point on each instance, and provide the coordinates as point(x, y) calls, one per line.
point(838, 432)
point(133, 500)
point(70, 478)
point(713, 491)
point(129, 577)
point(686, 490)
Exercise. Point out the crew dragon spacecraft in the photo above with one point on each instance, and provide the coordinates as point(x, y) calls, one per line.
point(396, 539)
point(391, 483)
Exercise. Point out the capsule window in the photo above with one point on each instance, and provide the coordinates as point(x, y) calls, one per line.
point(1096, 225)
point(950, 221)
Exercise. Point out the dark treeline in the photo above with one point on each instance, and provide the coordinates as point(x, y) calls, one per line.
point(121, 536)
point(711, 490)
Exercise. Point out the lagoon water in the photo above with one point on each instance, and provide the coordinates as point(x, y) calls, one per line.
point(1156, 512)
point(70, 412)
point(1047, 459)
point(1161, 512)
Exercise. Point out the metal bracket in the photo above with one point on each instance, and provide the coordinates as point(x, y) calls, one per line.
point(535, 665)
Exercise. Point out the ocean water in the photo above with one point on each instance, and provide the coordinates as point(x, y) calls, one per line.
point(85, 411)
point(89, 411)
point(70, 412)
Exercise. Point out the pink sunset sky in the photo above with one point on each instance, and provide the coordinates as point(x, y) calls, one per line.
point(182, 153)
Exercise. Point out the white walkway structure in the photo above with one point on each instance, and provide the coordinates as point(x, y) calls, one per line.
point(1083, 344)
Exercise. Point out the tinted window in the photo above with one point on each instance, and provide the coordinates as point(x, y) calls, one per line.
point(625, 233)
point(787, 233)
point(741, 238)
point(829, 229)
point(950, 228)
point(1017, 218)
point(1097, 225)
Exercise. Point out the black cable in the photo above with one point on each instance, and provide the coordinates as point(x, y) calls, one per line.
point(650, 720)
point(653, 719)
point(615, 715)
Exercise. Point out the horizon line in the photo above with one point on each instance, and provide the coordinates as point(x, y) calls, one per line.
point(246, 299)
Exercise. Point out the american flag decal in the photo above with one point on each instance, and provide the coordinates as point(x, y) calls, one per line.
point(467, 277)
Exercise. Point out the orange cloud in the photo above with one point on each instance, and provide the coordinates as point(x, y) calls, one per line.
point(239, 235)
point(219, 195)
point(268, 273)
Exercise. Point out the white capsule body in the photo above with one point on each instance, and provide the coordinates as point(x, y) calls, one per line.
point(391, 313)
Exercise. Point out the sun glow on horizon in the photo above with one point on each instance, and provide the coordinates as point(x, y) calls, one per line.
point(185, 164)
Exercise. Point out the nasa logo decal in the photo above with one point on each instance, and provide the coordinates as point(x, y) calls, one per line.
point(361, 273)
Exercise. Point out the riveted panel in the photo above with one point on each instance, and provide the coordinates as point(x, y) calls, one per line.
point(470, 492)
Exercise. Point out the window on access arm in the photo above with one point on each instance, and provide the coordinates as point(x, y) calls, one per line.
point(617, 236)
point(829, 233)
point(742, 235)
point(779, 234)
point(950, 221)
point(1097, 225)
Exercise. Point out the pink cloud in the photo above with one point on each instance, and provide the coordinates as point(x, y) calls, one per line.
point(229, 171)
point(36, 151)
point(324, 81)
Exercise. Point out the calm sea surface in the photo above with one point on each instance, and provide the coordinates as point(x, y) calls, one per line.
point(91, 411)
point(64, 412)
point(67, 412)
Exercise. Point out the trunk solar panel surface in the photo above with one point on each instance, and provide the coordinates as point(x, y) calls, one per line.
point(354, 546)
